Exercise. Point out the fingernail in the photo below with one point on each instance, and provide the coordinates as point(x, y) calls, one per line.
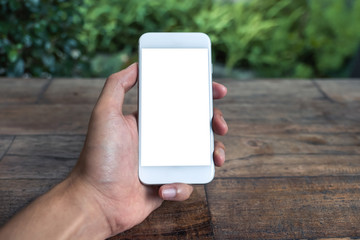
point(169, 193)
point(220, 151)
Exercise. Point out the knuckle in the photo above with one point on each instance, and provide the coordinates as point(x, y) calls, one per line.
point(112, 77)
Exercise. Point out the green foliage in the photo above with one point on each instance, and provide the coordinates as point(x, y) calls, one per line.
point(260, 35)
point(333, 35)
point(39, 38)
point(113, 27)
point(284, 38)
point(274, 38)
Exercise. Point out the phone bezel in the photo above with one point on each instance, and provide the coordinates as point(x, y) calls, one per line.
point(170, 174)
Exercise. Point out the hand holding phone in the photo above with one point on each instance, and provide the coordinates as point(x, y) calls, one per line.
point(103, 195)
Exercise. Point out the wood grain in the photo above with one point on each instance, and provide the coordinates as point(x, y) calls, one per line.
point(35, 167)
point(73, 91)
point(80, 91)
point(257, 127)
point(253, 145)
point(20, 90)
point(264, 91)
point(176, 220)
point(48, 118)
point(291, 165)
point(285, 208)
point(41, 156)
point(5, 142)
point(279, 154)
point(292, 170)
point(307, 112)
point(57, 146)
point(344, 90)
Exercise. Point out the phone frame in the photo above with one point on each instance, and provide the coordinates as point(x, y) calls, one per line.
point(170, 174)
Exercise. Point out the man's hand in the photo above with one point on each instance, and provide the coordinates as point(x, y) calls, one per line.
point(109, 160)
point(104, 188)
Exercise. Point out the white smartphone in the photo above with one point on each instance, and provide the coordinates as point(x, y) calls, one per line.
point(176, 141)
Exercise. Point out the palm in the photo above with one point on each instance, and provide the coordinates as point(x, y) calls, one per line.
point(111, 153)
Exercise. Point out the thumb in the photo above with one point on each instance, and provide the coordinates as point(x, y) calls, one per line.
point(175, 191)
point(116, 86)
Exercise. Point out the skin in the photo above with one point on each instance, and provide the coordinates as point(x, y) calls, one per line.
point(103, 195)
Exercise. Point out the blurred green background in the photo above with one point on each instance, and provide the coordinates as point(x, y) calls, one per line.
point(250, 38)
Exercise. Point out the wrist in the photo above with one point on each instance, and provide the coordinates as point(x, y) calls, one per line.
point(81, 203)
point(67, 211)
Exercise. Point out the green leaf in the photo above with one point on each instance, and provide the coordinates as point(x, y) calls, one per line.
point(13, 55)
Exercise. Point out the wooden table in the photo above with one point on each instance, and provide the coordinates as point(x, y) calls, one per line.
point(292, 170)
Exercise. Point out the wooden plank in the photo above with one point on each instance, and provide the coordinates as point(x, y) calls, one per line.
point(280, 208)
point(80, 91)
point(266, 90)
point(292, 144)
point(35, 167)
point(57, 146)
point(341, 90)
point(15, 194)
point(290, 154)
point(73, 91)
point(47, 119)
point(307, 112)
point(20, 90)
point(276, 126)
point(40, 119)
point(44, 156)
point(176, 220)
point(275, 165)
point(5, 142)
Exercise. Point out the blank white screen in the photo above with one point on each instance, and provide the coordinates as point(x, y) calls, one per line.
point(175, 113)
